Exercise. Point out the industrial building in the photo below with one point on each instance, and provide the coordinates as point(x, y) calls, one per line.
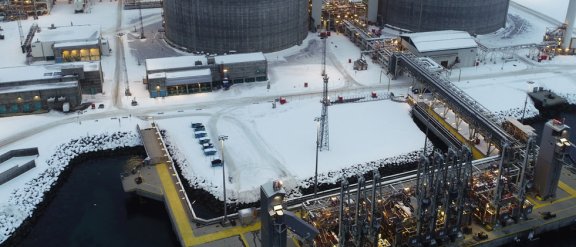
point(447, 48)
point(196, 74)
point(29, 89)
point(475, 17)
point(242, 26)
point(14, 9)
point(553, 149)
point(69, 43)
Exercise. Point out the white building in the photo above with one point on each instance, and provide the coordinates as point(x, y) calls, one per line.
point(448, 48)
point(69, 43)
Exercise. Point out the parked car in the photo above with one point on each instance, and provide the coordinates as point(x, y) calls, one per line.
point(200, 134)
point(204, 140)
point(209, 151)
point(101, 106)
point(207, 145)
point(196, 125)
point(216, 162)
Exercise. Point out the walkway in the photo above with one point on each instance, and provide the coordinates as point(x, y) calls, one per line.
point(161, 182)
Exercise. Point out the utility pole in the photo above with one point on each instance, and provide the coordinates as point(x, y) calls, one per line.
point(317, 120)
point(20, 14)
point(141, 23)
point(324, 136)
point(324, 56)
point(222, 139)
point(324, 142)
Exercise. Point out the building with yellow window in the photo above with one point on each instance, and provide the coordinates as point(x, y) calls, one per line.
point(69, 44)
point(39, 88)
point(198, 74)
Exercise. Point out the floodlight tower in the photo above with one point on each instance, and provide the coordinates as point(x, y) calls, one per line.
point(141, 22)
point(324, 37)
point(324, 141)
point(324, 136)
point(20, 14)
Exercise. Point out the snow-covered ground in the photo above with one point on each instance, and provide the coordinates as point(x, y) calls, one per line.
point(264, 143)
point(267, 143)
point(552, 8)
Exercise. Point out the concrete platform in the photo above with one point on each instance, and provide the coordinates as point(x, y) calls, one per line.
point(564, 206)
point(150, 186)
point(546, 99)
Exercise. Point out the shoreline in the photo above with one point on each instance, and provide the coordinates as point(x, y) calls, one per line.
point(24, 228)
point(209, 201)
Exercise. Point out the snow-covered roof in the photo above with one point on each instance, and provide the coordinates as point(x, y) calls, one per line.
point(157, 75)
point(183, 62)
point(41, 72)
point(166, 63)
point(39, 87)
point(68, 33)
point(184, 77)
point(88, 65)
point(76, 44)
point(188, 73)
point(188, 77)
point(440, 40)
point(240, 58)
point(27, 73)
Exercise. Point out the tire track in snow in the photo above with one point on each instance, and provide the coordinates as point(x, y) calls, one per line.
point(267, 156)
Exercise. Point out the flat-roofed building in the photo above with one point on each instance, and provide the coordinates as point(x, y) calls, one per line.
point(195, 74)
point(38, 88)
point(69, 44)
point(448, 48)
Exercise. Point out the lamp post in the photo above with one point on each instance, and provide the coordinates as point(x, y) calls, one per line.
point(388, 82)
point(525, 102)
point(317, 120)
point(223, 138)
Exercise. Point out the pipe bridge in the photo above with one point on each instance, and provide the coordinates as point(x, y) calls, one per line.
point(479, 118)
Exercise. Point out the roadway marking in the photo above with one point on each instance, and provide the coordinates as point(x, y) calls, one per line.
point(226, 233)
point(244, 240)
point(534, 202)
point(179, 215)
point(182, 222)
point(567, 188)
point(295, 242)
point(541, 205)
point(561, 185)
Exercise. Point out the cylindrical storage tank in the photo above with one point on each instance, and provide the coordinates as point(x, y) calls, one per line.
point(220, 26)
point(570, 18)
point(473, 16)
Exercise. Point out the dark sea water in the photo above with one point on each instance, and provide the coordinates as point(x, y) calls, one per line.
point(91, 209)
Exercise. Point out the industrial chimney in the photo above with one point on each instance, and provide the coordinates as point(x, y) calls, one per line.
point(570, 18)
